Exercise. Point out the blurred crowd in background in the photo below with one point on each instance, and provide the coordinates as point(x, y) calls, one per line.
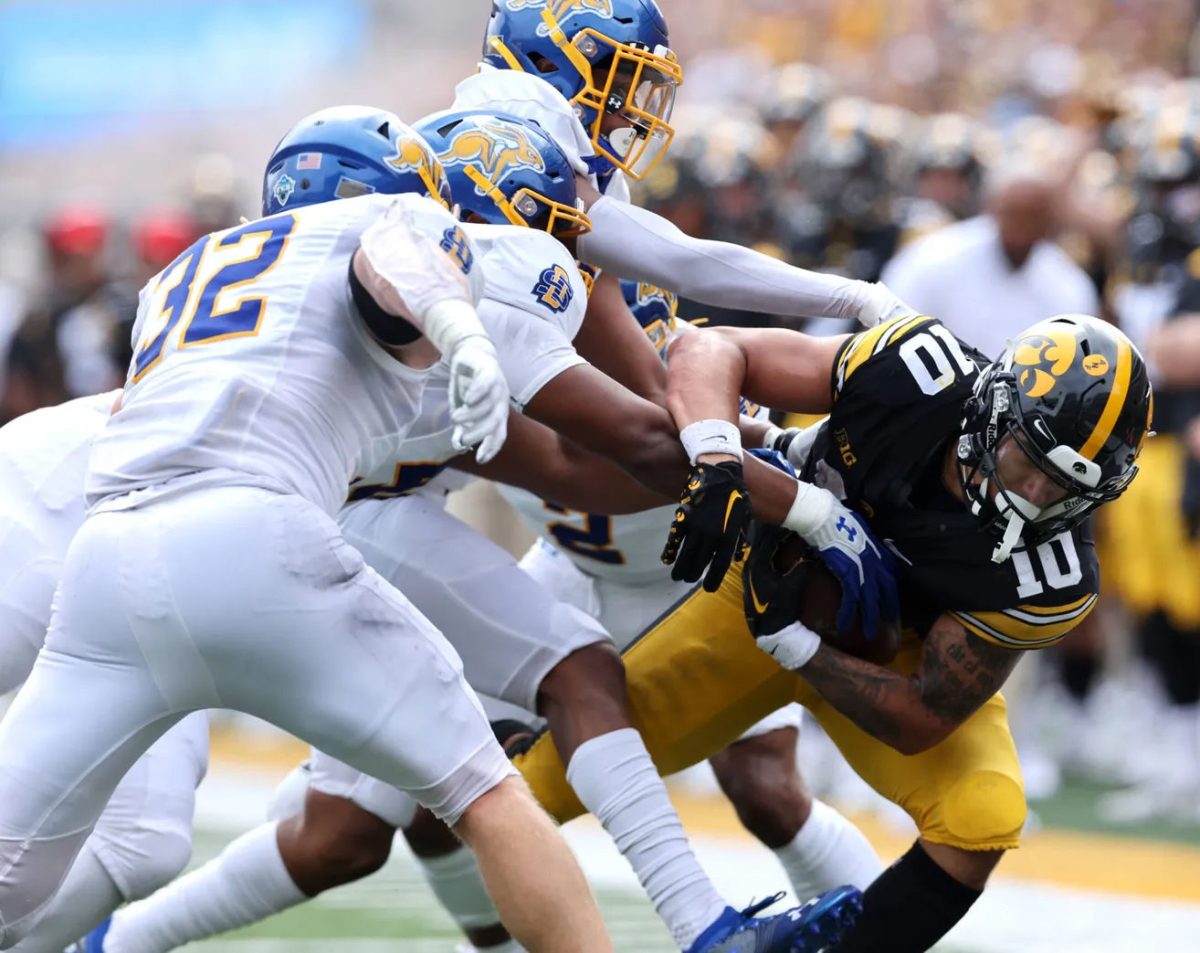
point(993, 161)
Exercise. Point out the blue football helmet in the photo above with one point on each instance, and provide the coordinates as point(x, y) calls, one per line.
point(607, 58)
point(346, 151)
point(506, 171)
point(654, 309)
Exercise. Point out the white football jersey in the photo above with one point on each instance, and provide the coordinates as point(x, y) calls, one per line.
point(527, 97)
point(43, 460)
point(621, 548)
point(533, 304)
point(254, 367)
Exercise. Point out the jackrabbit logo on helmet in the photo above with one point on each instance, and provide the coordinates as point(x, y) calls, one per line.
point(498, 147)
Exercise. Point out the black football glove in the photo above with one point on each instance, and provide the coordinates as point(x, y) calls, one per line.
point(770, 594)
point(709, 528)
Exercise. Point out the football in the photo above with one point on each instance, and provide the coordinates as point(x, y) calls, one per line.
point(822, 596)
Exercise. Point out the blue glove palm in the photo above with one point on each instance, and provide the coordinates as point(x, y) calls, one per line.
point(864, 568)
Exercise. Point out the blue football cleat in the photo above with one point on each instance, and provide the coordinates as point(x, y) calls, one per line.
point(94, 941)
point(807, 929)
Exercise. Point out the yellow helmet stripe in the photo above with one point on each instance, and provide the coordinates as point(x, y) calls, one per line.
point(1116, 401)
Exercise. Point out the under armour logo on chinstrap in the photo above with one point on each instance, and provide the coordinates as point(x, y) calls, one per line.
point(847, 528)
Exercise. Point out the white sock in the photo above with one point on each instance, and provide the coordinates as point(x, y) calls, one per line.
point(828, 852)
point(246, 883)
point(508, 946)
point(457, 883)
point(616, 780)
point(86, 897)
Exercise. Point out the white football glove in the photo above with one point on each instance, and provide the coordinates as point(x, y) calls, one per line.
point(879, 304)
point(478, 397)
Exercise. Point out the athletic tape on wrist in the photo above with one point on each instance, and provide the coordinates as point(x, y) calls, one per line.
point(711, 436)
point(809, 510)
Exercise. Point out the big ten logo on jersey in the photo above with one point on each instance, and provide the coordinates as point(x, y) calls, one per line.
point(592, 539)
point(553, 289)
point(454, 243)
point(192, 300)
point(1041, 359)
point(407, 478)
point(498, 148)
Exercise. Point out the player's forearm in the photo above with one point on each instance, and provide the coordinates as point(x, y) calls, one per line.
point(537, 459)
point(638, 244)
point(885, 704)
point(613, 341)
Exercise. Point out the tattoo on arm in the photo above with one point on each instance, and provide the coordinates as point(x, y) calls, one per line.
point(958, 673)
point(874, 698)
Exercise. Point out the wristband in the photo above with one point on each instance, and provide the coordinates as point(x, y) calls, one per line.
point(448, 322)
point(792, 646)
point(810, 509)
point(711, 436)
point(773, 433)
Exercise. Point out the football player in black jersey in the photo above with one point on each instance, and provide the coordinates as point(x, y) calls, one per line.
point(977, 477)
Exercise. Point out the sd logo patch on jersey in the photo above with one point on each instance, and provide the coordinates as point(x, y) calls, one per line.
point(454, 243)
point(553, 289)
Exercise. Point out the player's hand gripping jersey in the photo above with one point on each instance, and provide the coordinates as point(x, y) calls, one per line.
point(626, 548)
point(253, 364)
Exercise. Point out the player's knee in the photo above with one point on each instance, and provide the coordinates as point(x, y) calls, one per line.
point(590, 679)
point(429, 837)
point(984, 808)
point(343, 841)
point(771, 804)
point(160, 858)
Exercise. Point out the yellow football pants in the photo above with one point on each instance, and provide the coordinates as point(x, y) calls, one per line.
point(697, 682)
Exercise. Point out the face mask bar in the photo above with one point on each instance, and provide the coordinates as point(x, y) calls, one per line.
point(527, 208)
point(640, 88)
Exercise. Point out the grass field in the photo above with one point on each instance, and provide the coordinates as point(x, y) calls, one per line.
point(1066, 892)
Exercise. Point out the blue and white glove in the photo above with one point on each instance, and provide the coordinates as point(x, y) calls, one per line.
point(849, 549)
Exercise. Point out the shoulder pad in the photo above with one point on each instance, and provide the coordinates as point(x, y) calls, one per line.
point(532, 271)
point(527, 97)
point(902, 340)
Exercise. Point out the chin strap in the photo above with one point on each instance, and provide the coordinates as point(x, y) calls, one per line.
point(1012, 536)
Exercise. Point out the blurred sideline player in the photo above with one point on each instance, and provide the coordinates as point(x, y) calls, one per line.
point(243, 418)
point(517, 642)
point(144, 837)
point(610, 567)
point(978, 477)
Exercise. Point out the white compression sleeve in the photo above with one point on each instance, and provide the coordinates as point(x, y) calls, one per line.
point(637, 244)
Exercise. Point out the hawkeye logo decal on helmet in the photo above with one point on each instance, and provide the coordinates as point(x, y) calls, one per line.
point(1040, 359)
point(553, 289)
point(499, 148)
point(1095, 364)
point(285, 187)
